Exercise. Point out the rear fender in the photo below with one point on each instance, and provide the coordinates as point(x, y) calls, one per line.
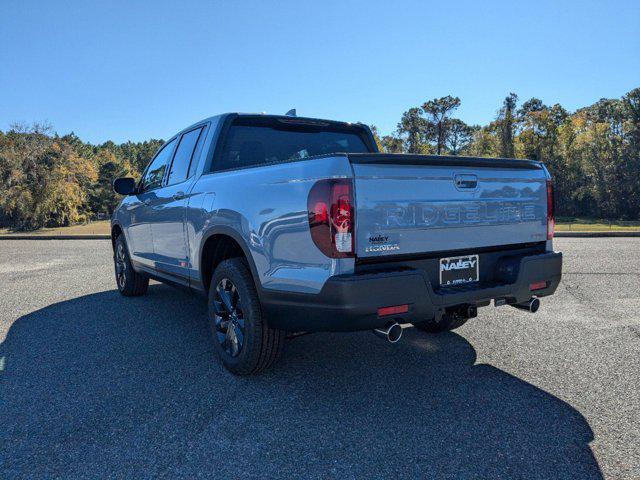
point(199, 282)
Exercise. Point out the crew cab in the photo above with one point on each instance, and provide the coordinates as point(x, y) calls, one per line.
point(291, 225)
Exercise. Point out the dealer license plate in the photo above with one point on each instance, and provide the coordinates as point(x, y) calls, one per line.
point(456, 270)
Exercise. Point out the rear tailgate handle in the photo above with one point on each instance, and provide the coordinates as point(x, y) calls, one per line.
point(465, 181)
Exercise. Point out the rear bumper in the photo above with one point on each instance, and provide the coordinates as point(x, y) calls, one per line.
point(350, 302)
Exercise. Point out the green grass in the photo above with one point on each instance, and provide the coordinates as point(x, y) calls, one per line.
point(570, 224)
point(101, 227)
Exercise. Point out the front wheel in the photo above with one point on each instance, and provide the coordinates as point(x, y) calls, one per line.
point(243, 340)
point(130, 283)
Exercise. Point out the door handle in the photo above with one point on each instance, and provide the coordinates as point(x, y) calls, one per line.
point(178, 195)
point(147, 202)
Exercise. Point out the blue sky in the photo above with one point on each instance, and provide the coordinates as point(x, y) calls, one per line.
point(135, 70)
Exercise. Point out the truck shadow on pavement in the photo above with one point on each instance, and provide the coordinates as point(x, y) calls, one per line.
point(105, 386)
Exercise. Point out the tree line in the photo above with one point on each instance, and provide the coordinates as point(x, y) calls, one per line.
point(593, 153)
point(48, 180)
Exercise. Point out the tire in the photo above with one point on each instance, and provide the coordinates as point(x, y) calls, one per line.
point(446, 324)
point(130, 283)
point(242, 338)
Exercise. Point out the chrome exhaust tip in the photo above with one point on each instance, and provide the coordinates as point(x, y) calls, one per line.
point(392, 332)
point(532, 305)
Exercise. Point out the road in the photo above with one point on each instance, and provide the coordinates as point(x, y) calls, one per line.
point(93, 385)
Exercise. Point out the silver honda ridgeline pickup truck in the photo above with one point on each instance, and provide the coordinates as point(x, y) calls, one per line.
point(291, 225)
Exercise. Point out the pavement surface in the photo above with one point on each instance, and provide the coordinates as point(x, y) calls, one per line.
point(94, 385)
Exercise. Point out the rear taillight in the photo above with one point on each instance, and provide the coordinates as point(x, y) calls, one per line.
point(332, 217)
point(551, 214)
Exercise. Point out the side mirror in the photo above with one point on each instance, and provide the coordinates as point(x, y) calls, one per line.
point(124, 185)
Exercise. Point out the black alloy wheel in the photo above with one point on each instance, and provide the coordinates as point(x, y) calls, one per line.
point(121, 266)
point(229, 317)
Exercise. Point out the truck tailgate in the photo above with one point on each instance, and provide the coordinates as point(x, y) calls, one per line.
point(411, 204)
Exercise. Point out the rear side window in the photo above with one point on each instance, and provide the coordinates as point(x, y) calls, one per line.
point(155, 171)
point(252, 142)
point(183, 157)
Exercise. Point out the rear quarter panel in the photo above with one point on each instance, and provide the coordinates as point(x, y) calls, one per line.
point(267, 208)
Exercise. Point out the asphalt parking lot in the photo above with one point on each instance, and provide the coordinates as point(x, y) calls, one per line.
point(93, 385)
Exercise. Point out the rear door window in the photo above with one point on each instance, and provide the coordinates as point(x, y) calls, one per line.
point(183, 157)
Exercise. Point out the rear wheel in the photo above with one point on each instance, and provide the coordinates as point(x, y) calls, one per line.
point(243, 340)
point(130, 283)
point(446, 323)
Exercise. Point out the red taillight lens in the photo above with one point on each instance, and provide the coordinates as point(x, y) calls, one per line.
point(332, 217)
point(320, 214)
point(551, 213)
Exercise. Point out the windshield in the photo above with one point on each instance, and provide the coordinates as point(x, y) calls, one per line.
point(256, 141)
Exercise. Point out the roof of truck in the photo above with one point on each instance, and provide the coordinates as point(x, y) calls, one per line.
point(287, 118)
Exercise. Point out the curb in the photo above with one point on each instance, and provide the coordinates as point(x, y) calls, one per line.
point(596, 234)
point(55, 237)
